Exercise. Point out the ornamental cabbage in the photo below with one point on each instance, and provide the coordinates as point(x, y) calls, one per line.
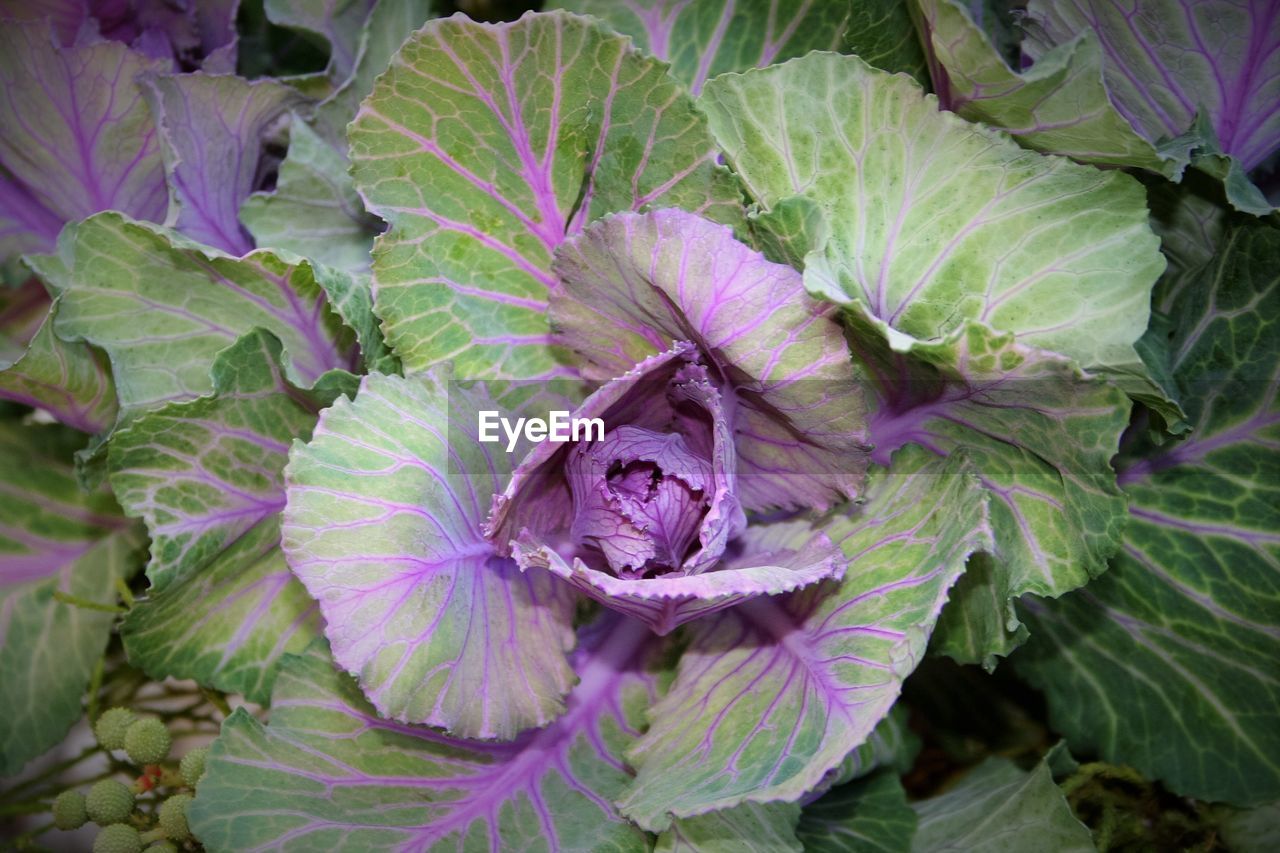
point(914, 355)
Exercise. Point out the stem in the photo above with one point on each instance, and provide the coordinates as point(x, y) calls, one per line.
point(25, 807)
point(21, 841)
point(218, 701)
point(126, 594)
point(84, 603)
point(55, 770)
point(95, 687)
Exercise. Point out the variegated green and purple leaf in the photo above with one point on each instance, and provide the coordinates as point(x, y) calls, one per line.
point(1184, 626)
point(23, 310)
point(1061, 105)
point(772, 695)
point(704, 38)
point(865, 811)
point(54, 538)
point(634, 284)
point(932, 222)
point(484, 147)
point(228, 624)
point(330, 773)
point(389, 24)
point(70, 381)
point(162, 307)
point(1041, 437)
point(1157, 85)
point(76, 137)
point(207, 477)
point(1167, 61)
point(383, 526)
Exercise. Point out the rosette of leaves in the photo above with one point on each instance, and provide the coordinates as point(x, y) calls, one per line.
point(758, 597)
point(864, 365)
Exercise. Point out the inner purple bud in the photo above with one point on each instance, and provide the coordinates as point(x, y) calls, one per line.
point(639, 498)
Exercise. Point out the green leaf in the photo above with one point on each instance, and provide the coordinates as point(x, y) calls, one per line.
point(70, 381)
point(998, 808)
point(1060, 105)
point(1040, 436)
point(351, 297)
point(1241, 193)
point(54, 538)
point(227, 625)
point(800, 681)
point(869, 815)
point(388, 25)
point(1168, 662)
point(523, 132)
point(704, 38)
point(1191, 225)
point(162, 307)
point(1252, 830)
point(749, 828)
point(892, 745)
point(339, 23)
point(207, 477)
point(329, 773)
point(314, 210)
point(934, 221)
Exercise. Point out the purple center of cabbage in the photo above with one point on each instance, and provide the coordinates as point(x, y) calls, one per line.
point(639, 498)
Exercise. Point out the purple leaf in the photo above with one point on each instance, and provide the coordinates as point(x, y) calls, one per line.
point(329, 773)
point(633, 284)
point(75, 137)
point(65, 17)
point(383, 526)
point(576, 509)
point(765, 560)
point(212, 130)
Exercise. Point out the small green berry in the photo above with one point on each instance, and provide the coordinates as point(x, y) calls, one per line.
point(118, 838)
point(109, 802)
point(68, 810)
point(111, 726)
point(173, 817)
point(147, 741)
point(163, 847)
point(192, 765)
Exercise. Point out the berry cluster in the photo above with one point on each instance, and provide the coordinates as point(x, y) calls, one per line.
point(158, 824)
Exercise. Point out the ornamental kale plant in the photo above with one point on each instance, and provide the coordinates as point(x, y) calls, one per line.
point(931, 350)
